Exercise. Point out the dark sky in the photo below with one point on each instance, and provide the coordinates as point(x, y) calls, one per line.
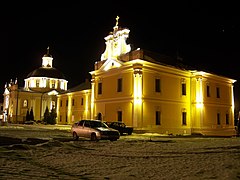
point(206, 35)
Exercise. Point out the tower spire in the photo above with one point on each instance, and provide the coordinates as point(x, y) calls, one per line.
point(117, 18)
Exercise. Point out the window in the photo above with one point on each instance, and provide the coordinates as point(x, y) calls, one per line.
point(66, 103)
point(119, 116)
point(100, 88)
point(184, 118)
point(227, 119)
point(53, 84)
point(60, 118)
point(158, 118)
point(37, 82)
point(25, 103)
point(218, 119)
point(184, 89)
point(119, 85)
point(218, 92)
point(82, 101)
point(157, 85)
point(66, 119)
point(72, 102)
point(208, 91)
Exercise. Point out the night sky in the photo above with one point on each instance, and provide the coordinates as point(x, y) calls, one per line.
point(206, 35)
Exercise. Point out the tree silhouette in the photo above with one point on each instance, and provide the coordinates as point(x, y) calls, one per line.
point(27, 116)
point(46, 116)
point(31, 116)
point(50, 117)
point(53, 116)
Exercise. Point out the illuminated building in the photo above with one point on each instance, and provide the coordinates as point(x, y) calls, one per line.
point(74, 104)
point(40, 90)
point(146, 90)
point(157, 93)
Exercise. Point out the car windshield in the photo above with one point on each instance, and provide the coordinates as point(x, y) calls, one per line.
point(98, 124)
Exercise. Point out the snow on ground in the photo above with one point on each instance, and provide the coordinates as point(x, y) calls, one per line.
point(48, 152)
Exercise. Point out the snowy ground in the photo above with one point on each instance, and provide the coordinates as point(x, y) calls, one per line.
point(48, 152)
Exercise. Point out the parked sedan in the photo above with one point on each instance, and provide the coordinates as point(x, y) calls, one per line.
point(95, 130)
point(121, 127)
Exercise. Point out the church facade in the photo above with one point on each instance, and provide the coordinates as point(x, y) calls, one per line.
point(39, 92)
point(153, 93)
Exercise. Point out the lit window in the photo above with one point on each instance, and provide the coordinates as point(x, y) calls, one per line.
point(25, 103)
point(37, 82)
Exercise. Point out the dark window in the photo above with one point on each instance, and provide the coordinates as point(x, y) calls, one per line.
point(66, 102)
point(208, 91)
point(184, 118)
point(227, 119)
point(218, 92)
point(184, 89)
point(66, 119)
point(119, 116)
point(60, 118)
point(158, 118)
point(157, 85)
point(119, 85)
point(218, 119)
point(82, 101)
point(73, 102)
point(99, 88)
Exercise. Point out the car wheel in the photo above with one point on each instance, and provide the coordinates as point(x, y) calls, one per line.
point(129, 133)
point(94, 137)
point(75, 136)
point(113, 139)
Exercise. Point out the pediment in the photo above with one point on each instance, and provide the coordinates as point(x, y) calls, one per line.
point(53, 92)
point(110, 64)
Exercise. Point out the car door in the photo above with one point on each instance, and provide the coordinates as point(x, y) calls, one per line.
point(80, 129)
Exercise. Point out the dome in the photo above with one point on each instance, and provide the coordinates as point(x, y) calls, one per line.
point(46, 72)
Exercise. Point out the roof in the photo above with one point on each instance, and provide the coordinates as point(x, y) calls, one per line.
point(83, 86)
point(155, 58)
point(47, 72)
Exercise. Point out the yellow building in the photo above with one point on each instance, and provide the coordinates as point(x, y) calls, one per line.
point(151, 92)
point(156, 93)
point(40, 90)
point(74, 104)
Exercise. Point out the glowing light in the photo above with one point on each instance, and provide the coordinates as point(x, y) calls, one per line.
point(92, 98)
point(199, 93)
point(137, 88)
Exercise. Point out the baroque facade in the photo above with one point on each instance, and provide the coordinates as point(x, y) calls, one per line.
point(40, 90)
point(152, 92)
